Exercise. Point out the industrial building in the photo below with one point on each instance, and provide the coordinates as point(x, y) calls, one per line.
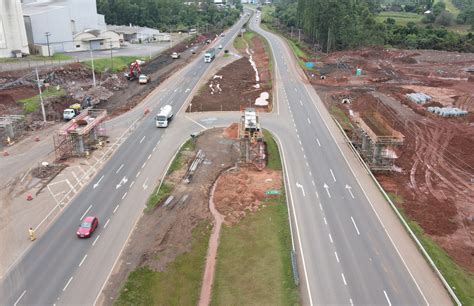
point(58, 23)
point(13, 40)
point(135, 34)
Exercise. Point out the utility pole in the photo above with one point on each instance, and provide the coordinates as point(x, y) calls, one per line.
point(41, 95)
point(47, 34)
point(291, 31)
point(171, 39)
point(92, 62)
point(299, 35)
point(111, 56)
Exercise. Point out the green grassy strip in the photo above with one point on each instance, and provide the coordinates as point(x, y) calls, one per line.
point(178, 284)
point(177, 163)
point(167, 187)
point(239, 43)
point(450, 7)
point(274, 161)
point(253, 264)
point(31, 104)
point(115, 64)
point(55, 57)
point(159, 194)
point(341, 117)
point(460, 280)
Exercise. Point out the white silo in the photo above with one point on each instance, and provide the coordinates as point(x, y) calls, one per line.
point(12, 28)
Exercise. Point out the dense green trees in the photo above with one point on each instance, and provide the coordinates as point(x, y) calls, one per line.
point(163, 14)
point(341, 24)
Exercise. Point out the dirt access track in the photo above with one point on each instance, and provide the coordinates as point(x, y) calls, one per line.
point(432, 179)
point(235, 86)
point(166, 231)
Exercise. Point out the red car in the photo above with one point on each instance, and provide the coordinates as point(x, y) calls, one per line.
point(87, 227)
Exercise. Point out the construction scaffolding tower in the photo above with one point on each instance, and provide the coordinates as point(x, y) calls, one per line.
point(376, 140)
point(80, 135)
point(11, 128)
point(252, 147)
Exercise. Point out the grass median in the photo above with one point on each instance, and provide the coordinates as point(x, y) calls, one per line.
point(178, 284)
point(253, 258)
point(254, 262)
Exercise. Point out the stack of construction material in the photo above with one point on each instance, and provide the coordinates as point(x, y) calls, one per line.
point(418, 97)
point(447, 111)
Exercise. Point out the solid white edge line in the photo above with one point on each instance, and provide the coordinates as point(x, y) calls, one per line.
point(447, 286)
point(82, 261)
point(295, 218)
point(194, 121)
point(67, 284)
point(82, 217)
point(18, 300)
point(106, 223)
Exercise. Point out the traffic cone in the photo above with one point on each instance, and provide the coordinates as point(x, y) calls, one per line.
point(29, 197)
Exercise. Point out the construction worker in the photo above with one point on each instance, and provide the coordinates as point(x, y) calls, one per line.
point(31, 231)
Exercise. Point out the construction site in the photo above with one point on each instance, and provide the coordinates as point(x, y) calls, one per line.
point(410, 115)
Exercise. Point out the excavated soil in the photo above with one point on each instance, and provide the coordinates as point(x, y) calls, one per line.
point(113, 93)
point(434, 171)
point(242, 191)
point(233, 87)
point(165, 232)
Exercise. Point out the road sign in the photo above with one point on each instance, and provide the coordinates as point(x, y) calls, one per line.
point(272, 192)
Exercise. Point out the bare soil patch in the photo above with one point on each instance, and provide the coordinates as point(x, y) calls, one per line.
point(233, 87)
point(165, 232)
point(435, 165)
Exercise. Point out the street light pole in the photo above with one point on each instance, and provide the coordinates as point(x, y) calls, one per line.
point(47, 34)
point(40, 94)
point(92, 62)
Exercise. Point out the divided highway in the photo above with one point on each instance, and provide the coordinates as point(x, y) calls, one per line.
point(345, 253)
point(61, 269)
point(347, 256)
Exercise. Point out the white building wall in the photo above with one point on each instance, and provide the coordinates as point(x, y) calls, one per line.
point(84, 14)
point(12, 28)
point(56, 22)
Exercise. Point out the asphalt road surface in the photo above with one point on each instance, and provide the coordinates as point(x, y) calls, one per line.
point(60, 268)
point(345, 254)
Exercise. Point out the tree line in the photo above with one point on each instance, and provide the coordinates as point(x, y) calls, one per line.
point(341, 24)
point(163, 14)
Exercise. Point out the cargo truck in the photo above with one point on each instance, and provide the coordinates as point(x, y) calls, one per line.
point(209, 55)
point(164, 116)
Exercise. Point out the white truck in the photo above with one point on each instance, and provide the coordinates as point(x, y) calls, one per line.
point(164, 116)
point(209, 55)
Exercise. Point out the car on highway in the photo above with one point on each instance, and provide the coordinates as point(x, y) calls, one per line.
point(194, 50)
point(88, 226)
point(175, 55)
point(220, 46)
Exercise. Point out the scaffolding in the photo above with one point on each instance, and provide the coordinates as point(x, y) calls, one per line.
point(11, 128)
point(376, 141)
point(252, 147)
point(80, 135)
